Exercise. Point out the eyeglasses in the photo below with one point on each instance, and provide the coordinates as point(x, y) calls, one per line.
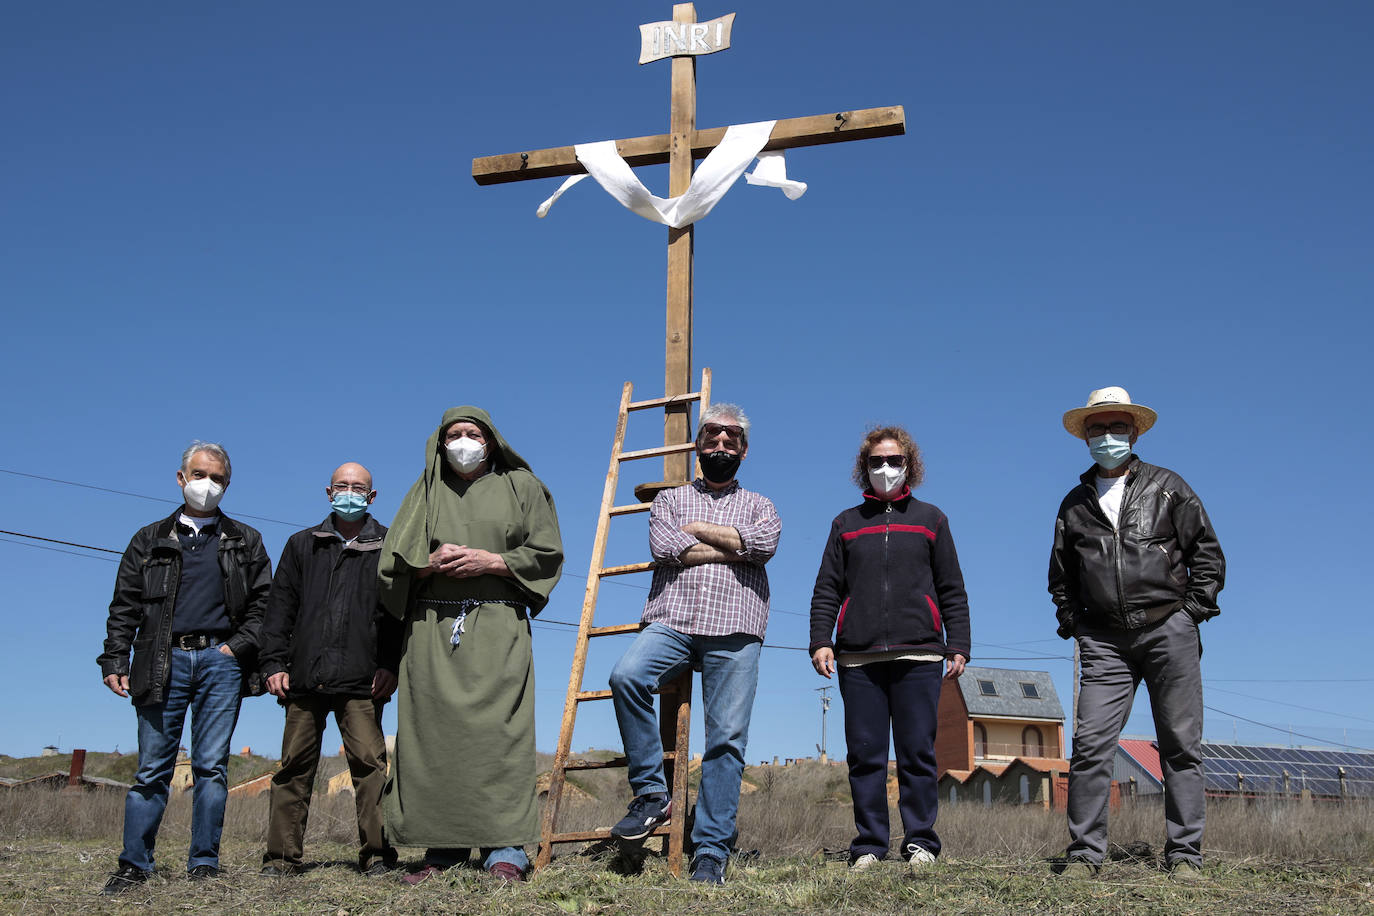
point(712, 430)
point(1119, 428)
point(350, 488)
point(892, 461)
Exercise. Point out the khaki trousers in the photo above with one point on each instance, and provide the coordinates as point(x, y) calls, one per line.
point(360, 724)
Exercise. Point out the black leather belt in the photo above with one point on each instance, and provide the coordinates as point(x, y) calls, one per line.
point(191, 641)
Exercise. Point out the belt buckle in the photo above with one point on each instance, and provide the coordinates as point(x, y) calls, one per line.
point(189, 642)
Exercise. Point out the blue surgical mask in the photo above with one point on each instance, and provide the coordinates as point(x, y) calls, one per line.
point(1110, 451)
point(348, 505)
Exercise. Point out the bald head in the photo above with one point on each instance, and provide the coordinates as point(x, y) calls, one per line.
point(351, 474)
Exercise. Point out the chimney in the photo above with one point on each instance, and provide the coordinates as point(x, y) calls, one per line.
point(77, 768)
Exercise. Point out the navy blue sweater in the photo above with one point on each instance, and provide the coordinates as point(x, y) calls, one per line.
point(890, 579)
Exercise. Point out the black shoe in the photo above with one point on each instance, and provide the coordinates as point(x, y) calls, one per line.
point(708, 870)
point(646, 813)
point(202, 873)
point(125, 878)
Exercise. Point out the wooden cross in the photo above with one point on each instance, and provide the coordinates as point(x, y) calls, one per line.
point(680, 147)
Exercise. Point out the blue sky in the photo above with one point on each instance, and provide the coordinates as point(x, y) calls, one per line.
point(256, 224)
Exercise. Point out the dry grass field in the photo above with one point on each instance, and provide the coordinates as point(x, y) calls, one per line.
point(56, 849)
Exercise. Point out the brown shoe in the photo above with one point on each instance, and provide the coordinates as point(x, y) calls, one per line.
point(424, 874)
point(506, 872)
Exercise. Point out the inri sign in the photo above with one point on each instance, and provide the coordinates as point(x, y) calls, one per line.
point(658, 40)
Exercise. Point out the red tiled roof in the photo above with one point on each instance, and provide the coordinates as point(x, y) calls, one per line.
point(1144, 752)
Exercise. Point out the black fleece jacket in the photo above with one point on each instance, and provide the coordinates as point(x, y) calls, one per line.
point(890, 579)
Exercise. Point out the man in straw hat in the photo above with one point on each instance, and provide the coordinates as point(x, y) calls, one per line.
point(1135, 568)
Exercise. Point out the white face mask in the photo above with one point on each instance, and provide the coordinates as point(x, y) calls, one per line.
point(202, 494)
point(887, 480)
point(466, 455)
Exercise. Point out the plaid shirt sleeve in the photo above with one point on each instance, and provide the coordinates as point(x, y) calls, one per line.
point(666, 538)
point(760, 533)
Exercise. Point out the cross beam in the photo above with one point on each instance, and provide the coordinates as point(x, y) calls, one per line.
point(789, 133)
point(680, 148)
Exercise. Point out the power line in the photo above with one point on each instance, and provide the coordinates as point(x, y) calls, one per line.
point(70, 553)
point(1287, 731)
point(156, 499)
point(1292, 705)
point(20, 534)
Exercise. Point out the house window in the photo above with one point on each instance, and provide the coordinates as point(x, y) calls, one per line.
point(1032, 744)
point(980, 740)
point(987, 688)
point(953, 795)
point(1025, 789)
point(1029, 691)
point(987, 792)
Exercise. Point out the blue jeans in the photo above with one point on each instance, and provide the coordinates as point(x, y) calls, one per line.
point(449, 858)
point(729, 675)
point(208, 683)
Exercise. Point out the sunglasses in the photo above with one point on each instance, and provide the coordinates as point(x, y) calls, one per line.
point(712, 430)
point(1119, 428)
point(892, 461)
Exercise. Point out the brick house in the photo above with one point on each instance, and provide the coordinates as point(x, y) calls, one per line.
point(1000, 738)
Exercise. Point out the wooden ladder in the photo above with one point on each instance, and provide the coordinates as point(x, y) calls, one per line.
point(675, 698)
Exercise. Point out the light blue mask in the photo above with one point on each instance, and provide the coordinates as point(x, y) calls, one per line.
point(1110, 451)
point(348, 505)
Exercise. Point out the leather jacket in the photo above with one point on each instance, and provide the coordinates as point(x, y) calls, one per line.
point(1163, 556)
point(145, 594)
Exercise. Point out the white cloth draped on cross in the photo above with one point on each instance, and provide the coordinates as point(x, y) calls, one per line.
point(718, 171)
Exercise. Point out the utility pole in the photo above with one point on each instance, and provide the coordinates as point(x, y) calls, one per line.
point(825, 708)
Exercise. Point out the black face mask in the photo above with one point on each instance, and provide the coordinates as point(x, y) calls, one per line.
point(719, 467)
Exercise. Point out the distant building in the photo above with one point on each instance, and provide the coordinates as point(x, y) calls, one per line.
point(1000, 738)
point(1256, 770)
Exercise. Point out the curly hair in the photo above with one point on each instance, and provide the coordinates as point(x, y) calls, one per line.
point(915, 468)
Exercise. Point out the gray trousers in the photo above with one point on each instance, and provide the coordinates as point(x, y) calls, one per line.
point(1166, 657)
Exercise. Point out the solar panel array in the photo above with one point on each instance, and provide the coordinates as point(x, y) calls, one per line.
point(1261, 770)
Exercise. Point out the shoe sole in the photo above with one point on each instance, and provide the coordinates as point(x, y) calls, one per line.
point(649, 828)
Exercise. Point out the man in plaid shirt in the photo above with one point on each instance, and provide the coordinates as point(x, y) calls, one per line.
point(708, 609)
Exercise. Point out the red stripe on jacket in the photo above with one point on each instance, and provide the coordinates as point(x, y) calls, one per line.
point(879, 529)
point(935, 614)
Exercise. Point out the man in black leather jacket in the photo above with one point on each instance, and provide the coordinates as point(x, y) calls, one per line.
point(1135, 568)
point(189, 600)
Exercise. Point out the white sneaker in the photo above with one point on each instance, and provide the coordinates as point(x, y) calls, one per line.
point(919, 858)
point(867, 860)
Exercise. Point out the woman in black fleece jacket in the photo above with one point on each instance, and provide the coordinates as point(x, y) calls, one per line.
point(891, 591)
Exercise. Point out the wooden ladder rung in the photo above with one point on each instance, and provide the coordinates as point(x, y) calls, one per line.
point(631, 509)
point(607, 764)
point(583, 836)
point(657, 451)
point(687, 398)
point(622, 761)
point(615, 629)
point(584, 695)
point(627, 568)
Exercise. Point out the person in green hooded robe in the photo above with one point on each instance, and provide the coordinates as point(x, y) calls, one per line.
point(472, 555)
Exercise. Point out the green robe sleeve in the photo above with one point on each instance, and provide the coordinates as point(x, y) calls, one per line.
point(537, 564)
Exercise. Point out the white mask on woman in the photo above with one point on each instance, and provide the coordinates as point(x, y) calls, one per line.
point(886, 480)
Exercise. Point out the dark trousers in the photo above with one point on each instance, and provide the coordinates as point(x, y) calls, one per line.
point(903, 697)
point(360, 724)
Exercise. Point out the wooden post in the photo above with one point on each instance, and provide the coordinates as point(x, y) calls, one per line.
point(677, 377)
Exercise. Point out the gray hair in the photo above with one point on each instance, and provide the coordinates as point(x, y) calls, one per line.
point(214, 448)
point(716, 412)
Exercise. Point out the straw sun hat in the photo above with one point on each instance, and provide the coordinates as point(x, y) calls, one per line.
point(1105, 400)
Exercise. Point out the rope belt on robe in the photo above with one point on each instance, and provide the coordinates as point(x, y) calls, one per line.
point(466, 606)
